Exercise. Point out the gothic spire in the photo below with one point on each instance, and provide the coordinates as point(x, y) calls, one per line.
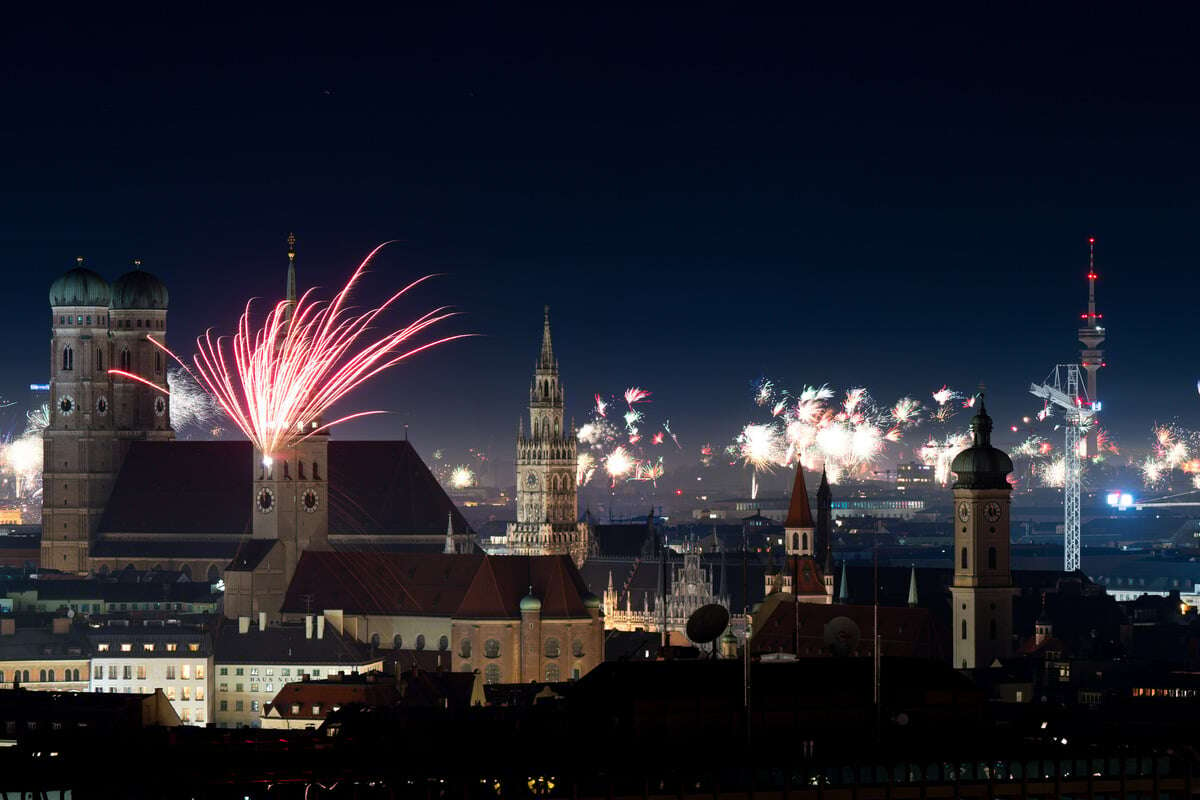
point(844, 589)
point(912, 588)
point(547, 358)
point(799, 511)
point(449, 548)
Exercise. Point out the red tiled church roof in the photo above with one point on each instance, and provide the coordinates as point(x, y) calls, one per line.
point(799, 512)
point(433, 584)
point(502, 581)
point(191, 488)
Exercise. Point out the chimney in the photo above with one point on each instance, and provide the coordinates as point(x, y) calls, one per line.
point(262, 620)
point(321, 627)
point(308, 626)
point(61, 625)
point(243, 624)
point(8, 626)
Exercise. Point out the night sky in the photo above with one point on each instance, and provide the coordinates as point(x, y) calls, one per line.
point(702, 199)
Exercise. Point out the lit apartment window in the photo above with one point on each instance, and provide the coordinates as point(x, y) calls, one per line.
point(141, 672)
point(112, 672)
point(194, 647)
point(185, 693)
point(185, 715)
point(102, 647)
point(316, 709)
point(295, 708)
point(254, 687)
point(148, 647)
point(126, 647)
point(268, 671)
point(267, 687)
point(200, 716)
point(199, 692)
point(170, 692)
point(254, 705)
point(185, 672)
point(172, 647)
point(199, 672)
point(254, 671)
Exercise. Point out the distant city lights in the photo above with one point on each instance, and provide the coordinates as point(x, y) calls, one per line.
point(1120, 500)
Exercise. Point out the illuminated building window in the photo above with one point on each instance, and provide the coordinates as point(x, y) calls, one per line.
point(185, 693)
point(103, 647)
point(185, 672)
point(148, 647)
point(170, 692)
point(185, 715)
point(551, 673)
point(112, 672)
point(126, 647)
point(194, 647)
point(171, 647)
point(200, 672)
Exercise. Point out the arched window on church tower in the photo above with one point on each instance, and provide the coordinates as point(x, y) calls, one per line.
point(99, 360)
point(300, 470)
point(125, 361)
point(157, 363)
point(795, 541)
point(991, 558)
point(68, 359)
point(316, 472)
point(804, 541)
point(964, 559)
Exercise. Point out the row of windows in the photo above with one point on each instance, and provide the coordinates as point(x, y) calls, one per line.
point(68, 360)
point(1164, 692)
point(240, 705)
point(170, 647)
point(284, 672)
point(267, 473)
point(127, 671)
point(418, 643)
point(491, 648)
point(44, 675)
point(491, 673)
point(86, 319)
point(255, 688)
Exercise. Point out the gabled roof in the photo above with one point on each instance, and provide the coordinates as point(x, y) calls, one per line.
point(388, 584)
point(297, 700)
point(206, 488)
point(799, 512)
point(287, 644)
point(502, 581)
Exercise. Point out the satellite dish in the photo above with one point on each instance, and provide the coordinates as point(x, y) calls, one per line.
point(841, 636)
point(707, 623)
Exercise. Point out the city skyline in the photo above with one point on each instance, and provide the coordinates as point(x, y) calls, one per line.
point(814, 199)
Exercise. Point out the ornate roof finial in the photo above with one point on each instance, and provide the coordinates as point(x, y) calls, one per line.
point(79, 261)
point(137, 264)
point(547, 358)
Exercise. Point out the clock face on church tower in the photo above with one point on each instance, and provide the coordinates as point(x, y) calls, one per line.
point(991, 512)
point(964, 512)
point(266, 500)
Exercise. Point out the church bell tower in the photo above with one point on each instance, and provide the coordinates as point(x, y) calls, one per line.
point(982, 591)
point(547, 501)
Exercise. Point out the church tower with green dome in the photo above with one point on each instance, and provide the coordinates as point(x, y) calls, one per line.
point(982, 590)
point(96, 327)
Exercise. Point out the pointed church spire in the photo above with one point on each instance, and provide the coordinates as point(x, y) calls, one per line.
point(912, 588)
point(547, 358)
point(844, 589)
point(449, 548)
point(799, 510)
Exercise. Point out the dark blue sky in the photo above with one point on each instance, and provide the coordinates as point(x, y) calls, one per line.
point(892, 201)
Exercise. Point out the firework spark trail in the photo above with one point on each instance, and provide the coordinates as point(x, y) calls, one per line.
point(601, 406)
point(38, 419)
point(276, 381)
point(618, 464)
point(906, 411)
point(585, 467)
point(462, 477)
point(191, 406)
point(635, 395)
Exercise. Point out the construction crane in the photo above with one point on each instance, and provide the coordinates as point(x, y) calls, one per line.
point(1063, 388)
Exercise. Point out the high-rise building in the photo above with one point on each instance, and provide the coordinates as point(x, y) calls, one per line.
point(982, 591)
point(1091, 357)
point(547, 499)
